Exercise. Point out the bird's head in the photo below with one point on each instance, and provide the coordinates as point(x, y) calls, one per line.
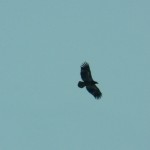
point(95, 82)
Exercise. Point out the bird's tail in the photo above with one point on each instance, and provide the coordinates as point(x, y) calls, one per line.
point(81, 84)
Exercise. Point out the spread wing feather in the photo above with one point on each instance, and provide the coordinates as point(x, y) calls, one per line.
point(86, 72)
point(93, 89)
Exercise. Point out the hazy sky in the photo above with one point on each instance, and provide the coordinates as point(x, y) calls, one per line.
point(42, 45)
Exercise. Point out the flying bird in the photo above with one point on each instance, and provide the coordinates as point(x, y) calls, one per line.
point(88, 81)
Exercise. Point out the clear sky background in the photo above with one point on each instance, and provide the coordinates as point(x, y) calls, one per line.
point(42, 45)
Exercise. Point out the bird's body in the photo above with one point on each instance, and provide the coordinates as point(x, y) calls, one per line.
point(88, 82)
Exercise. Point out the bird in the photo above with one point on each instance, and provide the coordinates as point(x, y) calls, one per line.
point(88, 81)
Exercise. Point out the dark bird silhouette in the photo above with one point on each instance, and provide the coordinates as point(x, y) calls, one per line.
point(88, 81)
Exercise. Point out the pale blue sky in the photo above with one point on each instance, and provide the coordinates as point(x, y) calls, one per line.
point(42, 45)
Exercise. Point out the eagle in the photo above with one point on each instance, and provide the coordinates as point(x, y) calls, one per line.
point(88, 81)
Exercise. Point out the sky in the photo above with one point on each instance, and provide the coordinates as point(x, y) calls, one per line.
point(42, 46)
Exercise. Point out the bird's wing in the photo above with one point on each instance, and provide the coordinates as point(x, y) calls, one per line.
point(94, 90)
point(85, 72)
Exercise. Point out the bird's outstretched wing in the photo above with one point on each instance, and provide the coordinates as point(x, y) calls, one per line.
point(85, 72)
point(94, 90)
